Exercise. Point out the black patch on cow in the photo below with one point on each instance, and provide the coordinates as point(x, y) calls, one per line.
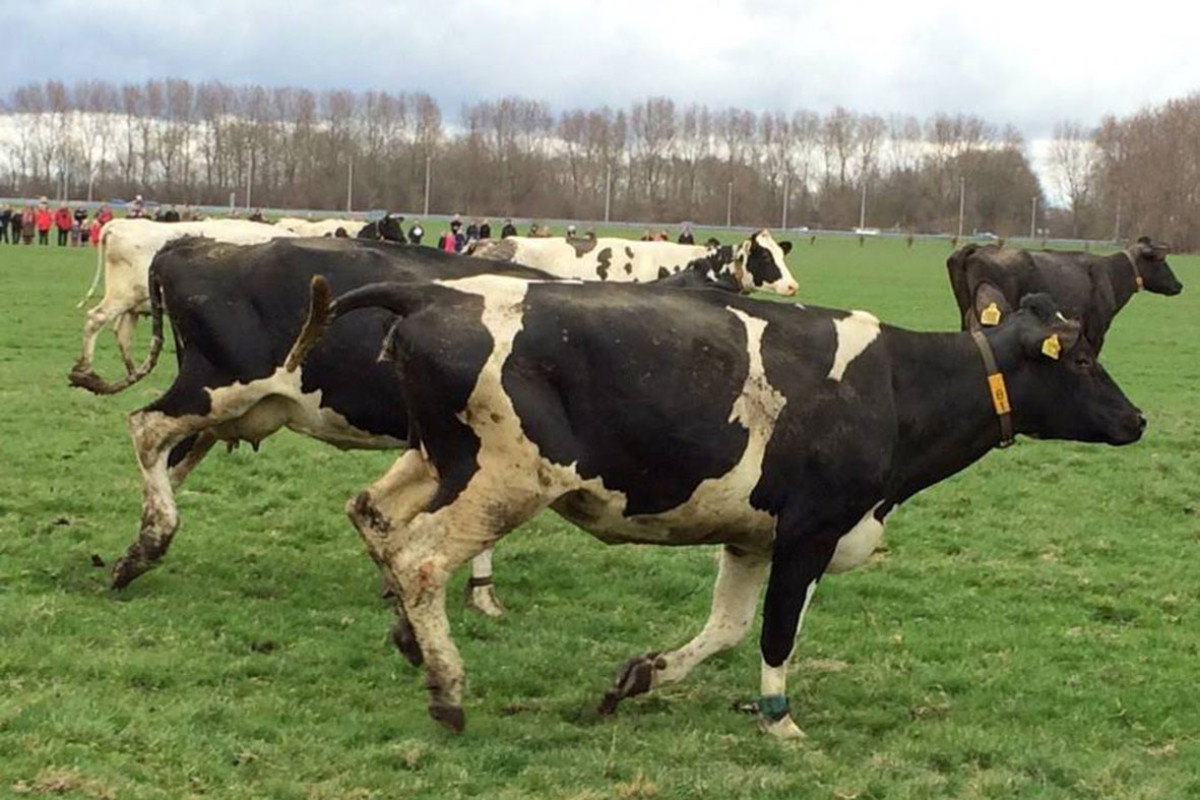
point(761, 264)
point(628, 269)
point(582, 246)
point(628, 252)
point(604, 263)
point(664, 363)
point(663, 272)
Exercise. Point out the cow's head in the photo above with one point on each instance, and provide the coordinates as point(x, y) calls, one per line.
point(761, 262)
point(1152, 267)
point(1058, 389)
point(388, 228)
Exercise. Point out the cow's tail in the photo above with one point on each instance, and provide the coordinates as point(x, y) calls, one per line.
point(401, 299)
point(91, 381)
point(956, 267)
point(99, 268)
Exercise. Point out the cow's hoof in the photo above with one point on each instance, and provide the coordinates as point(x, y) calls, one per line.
point(406, 642)
point(484, 600)
point(782, 728)
point(636, 677)
point(451, 716)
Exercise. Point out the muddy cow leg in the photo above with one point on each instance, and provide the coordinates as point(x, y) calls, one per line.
point(481, 593)
point(402, 492)
point(154, 434)
point(740, 576)
point(123, 328)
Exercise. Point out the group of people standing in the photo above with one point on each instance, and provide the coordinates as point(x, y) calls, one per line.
point(19, 225)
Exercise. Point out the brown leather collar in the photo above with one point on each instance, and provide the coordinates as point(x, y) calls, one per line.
point(996, 388)
point(1138, 283)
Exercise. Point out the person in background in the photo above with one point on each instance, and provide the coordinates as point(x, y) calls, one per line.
point(456, 233)
point(80, 229)
point(104, 214)
point(446, 243)
point(485, 230)
point(171, 214)
point(256, 216)
point(94, 231)
point(508, 230)
point(15, 224)
point(415, 232)
point(685, 234)
point(472, 231)
point(28, 224)
point(43, 219)
point(137, 208)
point(5, 217)
point(570, 231)
point(63, 221)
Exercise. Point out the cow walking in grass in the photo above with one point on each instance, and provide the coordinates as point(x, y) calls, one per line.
point(988, 282)
point(785, 434)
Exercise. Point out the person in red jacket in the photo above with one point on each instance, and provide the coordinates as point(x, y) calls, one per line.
point(94, 231)
point(63, 221)
point(104, 214)
point(42, 220)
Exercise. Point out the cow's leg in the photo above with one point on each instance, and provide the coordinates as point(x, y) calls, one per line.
point(735, 596)
point(481, 593)
point(154, 435)
point(394, 499)
point(181, 464)
point(97, 317)
point(795, 570)
point(123, 328)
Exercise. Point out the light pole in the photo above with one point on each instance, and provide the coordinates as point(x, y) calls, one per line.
point(787, 183)
point(962, 204)
point(428, 163)
point(607, 191)
point(862, 208)
point(729, 206)
point(1033, 219)
point(350, 186)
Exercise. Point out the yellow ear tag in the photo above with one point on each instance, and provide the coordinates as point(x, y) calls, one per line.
point(990, 315)
point(1051, 346)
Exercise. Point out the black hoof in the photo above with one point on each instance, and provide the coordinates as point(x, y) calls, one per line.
point(633, 679)
point(450, 716)
point(406, 642)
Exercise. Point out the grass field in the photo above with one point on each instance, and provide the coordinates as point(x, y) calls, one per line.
point(1031, 631)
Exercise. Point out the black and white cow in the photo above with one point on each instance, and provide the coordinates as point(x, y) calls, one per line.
point(786, 434)
point(758, 261)
point(988, 282)
point(235, 311)
point(387, 229)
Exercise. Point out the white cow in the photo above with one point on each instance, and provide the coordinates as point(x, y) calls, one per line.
point(322, 227)
point(127, 246)
point(758, 261)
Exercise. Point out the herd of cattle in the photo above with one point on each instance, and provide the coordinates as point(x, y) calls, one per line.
point(536, 375)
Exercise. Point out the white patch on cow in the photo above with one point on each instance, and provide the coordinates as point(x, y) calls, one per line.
point(854, 334)
point(253, 411)
point(858, 543)
point(773, 681)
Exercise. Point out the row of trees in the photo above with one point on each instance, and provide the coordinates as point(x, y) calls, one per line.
point(655, 161)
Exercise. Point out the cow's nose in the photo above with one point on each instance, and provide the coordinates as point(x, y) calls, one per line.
point(1141, 422)
point(791, 290)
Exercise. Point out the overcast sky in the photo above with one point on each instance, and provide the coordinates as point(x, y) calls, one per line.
point(1025, 62)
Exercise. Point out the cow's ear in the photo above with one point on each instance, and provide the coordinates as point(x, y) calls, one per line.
point(1042, 306)
point(786, 247)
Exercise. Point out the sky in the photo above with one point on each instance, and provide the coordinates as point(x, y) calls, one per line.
point(1022, 62)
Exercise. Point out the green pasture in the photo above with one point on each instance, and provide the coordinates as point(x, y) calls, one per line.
point(1032, 629)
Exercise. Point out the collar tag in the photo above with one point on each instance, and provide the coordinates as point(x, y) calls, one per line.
point(999, 393)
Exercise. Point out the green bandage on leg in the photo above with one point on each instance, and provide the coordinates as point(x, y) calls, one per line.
point(773, 706)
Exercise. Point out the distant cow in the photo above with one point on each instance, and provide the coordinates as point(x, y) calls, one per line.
point(322, 227)
point(234, 312)
point(759, 260)
point(642, 415)
point(127, 246)
point(387, 229)
point(988, 281)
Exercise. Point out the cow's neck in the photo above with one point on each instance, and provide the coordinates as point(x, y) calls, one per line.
point(943, 406)
point(1122, 277)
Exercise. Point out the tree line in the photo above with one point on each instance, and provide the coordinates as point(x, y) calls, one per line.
point(184, 142)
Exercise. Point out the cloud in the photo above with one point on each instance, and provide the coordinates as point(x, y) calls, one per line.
point(1025, 63)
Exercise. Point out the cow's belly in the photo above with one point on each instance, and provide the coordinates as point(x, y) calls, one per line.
point(858, 544)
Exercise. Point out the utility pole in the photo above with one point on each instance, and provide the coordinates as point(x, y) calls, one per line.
point(962, 203)
point(862, 209)
point(607, 191)
point(350, 186)
point(1117, 232)
point(249, 180)
point(787, 182)
point(729, 206)
point(428, 163)
point(1033, 219)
